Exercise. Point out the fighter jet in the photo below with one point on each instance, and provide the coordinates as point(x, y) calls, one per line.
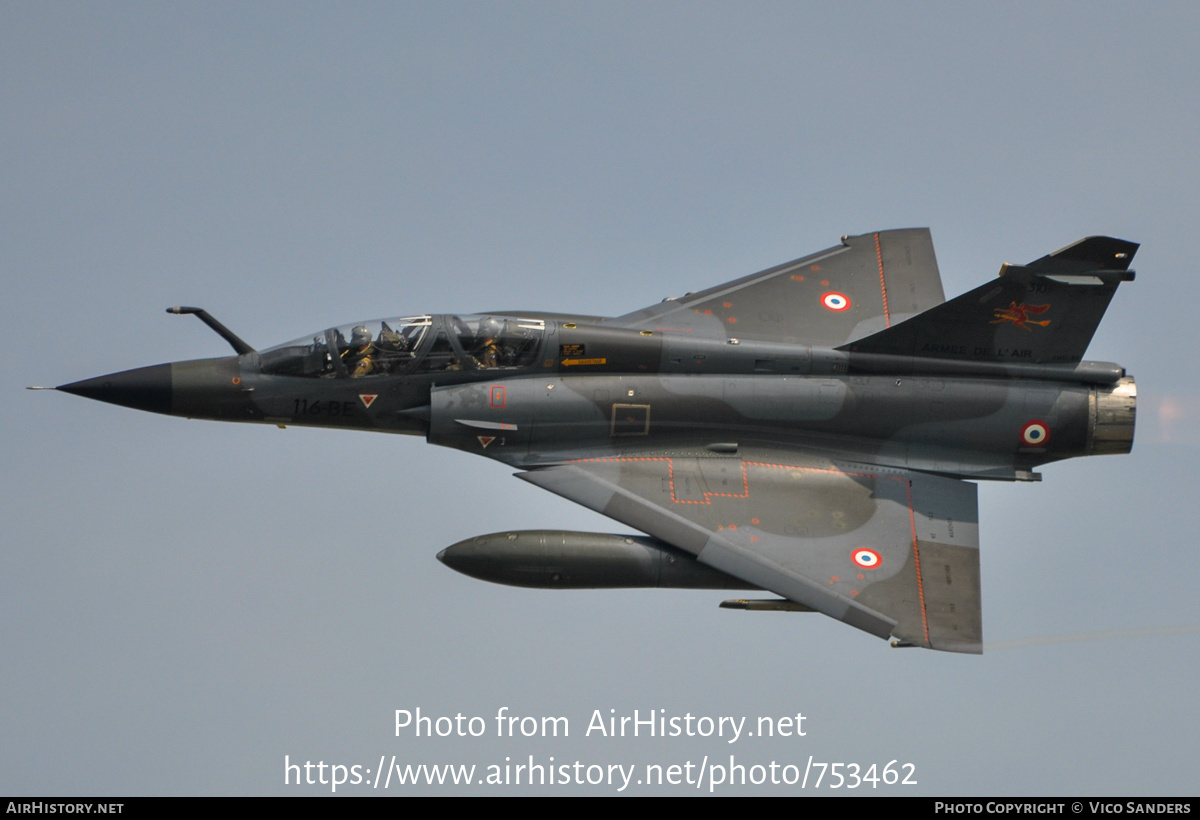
point(814, 430)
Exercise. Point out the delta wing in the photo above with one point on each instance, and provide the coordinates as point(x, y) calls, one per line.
point(865, 285)
point(892, 552)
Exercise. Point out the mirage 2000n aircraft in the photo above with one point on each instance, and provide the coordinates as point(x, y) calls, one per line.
point(814, 430)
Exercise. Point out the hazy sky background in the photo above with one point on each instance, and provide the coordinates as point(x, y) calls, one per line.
point(182, 604)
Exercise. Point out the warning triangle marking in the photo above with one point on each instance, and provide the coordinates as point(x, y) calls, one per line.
point(486, 440)
point(368, 398)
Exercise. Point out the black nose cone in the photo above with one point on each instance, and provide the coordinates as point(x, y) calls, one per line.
point(145, 388)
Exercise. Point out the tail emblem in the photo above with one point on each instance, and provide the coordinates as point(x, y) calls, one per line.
point(1018, 314)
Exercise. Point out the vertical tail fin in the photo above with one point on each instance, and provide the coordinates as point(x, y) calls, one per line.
point(1043, 312)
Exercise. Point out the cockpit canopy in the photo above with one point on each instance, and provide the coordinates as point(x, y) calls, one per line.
point(418, 344)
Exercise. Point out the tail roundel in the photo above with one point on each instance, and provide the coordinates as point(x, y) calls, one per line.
point(1045, 312)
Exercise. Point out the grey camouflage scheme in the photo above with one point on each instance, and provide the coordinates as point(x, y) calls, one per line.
point(812, 430)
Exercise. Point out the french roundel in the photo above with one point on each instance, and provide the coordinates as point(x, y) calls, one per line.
point(1035, 434)
point(867, 559)
point(835, 301)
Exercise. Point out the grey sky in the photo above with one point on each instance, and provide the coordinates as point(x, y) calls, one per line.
point(182, 604)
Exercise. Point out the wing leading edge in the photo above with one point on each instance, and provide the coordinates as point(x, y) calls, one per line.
point(892, 552)
point(864, 285)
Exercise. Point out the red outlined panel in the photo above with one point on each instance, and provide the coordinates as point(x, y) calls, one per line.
point(860, 558)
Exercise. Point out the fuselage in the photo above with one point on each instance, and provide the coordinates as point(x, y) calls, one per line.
point(531, 390)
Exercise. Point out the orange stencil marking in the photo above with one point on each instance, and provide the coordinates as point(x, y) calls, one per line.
point(912, 517)
point(882, 286)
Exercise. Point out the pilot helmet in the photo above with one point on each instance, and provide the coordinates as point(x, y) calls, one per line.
point(360, 336)
point(490, 328)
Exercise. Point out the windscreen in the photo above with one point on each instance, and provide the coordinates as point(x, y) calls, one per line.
point(376, 348)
